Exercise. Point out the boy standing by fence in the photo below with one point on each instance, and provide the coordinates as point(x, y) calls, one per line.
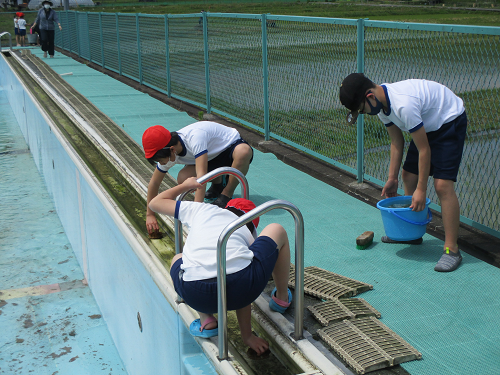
point(21, 22)
point(436, 120)
point(16, 28)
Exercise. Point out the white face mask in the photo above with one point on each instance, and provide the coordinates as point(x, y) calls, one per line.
point(170, 164)
point(46, 6)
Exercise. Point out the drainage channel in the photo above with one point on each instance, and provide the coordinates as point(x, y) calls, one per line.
point(112, 155)
point(118, 163)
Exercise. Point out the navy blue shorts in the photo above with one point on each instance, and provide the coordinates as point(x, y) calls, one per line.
point(447, 145)
point(22, 32)
point(16, 31)
point(242, 287)
point(225, 158)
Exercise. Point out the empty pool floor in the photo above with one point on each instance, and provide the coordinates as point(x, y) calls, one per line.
point(49, 320)
point(448, 317)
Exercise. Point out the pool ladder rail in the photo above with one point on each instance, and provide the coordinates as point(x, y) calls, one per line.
point(221, 253)
point(10, 40)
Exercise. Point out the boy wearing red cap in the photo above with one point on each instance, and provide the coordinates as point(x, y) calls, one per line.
point(201, 147)
point(21, 23)
point(436, 120)
point(16, 29)
point(249, 262)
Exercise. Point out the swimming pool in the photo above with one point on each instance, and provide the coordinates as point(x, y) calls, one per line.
point(126, 282)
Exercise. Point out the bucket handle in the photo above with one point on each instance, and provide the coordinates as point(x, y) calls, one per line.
point(411, 221)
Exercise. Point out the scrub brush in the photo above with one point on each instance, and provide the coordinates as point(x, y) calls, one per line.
point(364, 240)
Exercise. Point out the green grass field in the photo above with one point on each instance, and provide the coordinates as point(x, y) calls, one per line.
point(435, 14)
point(412, 11)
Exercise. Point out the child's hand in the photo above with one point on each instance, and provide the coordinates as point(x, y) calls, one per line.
point(191, 183)
point(418, 200)
point(256, 343)
point(390, 189)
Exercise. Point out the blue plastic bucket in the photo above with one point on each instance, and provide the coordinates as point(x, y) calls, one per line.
point(404, 224)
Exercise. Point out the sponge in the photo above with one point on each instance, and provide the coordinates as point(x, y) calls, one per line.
point(155, 235)
point(364, 240)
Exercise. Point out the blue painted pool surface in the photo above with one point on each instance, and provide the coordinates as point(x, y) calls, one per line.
point(57, 319)
point(61, 332)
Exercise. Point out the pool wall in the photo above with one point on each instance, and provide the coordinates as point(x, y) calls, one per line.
point(129, 286)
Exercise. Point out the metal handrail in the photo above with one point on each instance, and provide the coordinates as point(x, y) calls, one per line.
point(10, 40)
point(299, 267)
point(203, 180)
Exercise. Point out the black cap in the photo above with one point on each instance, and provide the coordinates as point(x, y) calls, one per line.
point(352, 93)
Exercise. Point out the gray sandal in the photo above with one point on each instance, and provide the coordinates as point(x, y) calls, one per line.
point(386, 239)
point(449, 261)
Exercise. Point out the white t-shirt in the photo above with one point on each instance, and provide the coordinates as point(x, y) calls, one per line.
point(203, 137)
point(22, 24)
point(417, 102)
point(205, 223)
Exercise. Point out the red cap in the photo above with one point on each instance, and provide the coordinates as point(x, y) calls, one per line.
point(21, 14)
point(244, 205)
point(154, 139)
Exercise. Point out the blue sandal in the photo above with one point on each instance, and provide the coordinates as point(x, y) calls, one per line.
point(199, 330)
point(278, 305)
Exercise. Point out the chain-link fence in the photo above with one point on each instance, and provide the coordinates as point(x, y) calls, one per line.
point(281, 75)
point(468, 62)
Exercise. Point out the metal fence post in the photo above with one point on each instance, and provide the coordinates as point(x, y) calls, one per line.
point(118, 45)
point(88, 37)
point(73, 48)
point(265, 78)
point(139, 59)
point(360, 122)
point(207, 68)
point(167, 58)
point(77, 23)
point(100, 40)
point(68, 34)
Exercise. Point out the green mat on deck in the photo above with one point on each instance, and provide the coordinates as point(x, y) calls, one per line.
point(451, 318)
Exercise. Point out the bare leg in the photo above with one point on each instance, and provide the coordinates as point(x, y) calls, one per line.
point(280, 274)
point(242, 154)
point(185, 173)
point(203, 316)
point(258, 344)
point(450, 211)
point(282, 267)
point(410, 181)
point(217, 180)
